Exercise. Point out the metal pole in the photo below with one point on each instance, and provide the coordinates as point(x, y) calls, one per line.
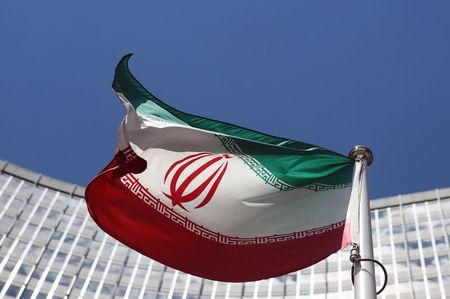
point(364, 270)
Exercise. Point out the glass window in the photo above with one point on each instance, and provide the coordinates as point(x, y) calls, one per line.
point(3, 178)
point(29, 231)
point(397, 229)
point(163, 295)
point(16, 206)
point(27, 293)
point(13, 183)
point(17, 226)
point(5, 223)
point(400, 245)
point(413, 244)
point(51, 276)
point(77, 222)
point(7, 243)
point(443, 259)
point(61, 256)
point(37, 273)
point(3, 199)
point(69, 238)
point(70, 201)
point(429, 261)
point(65, 280)
point(95, 245)
point(47, 253)
point(21, 245)
point(115, 269)
point(121, 252)
point(44, 234)
point(100, 267)
point(41, 296)
point(64, 220)
point(9, 266)
point(13, 291)
point(93, 285)
point(27, 210)
point(415, 263)
point(87, 263)
point(84, 242)
point(120, 291)
point(34, 253)
point(411, 227)
point(440, 240)
point(28, 187)
point(426, 243)
point(127, 271)
point(54, 215)
point(24, 270)
point(75, 260)
point(382, 213)
point(155, 279)
point(40, 213)
point(141, 273)
point(79, 283)
point(107, 289)
point(135, 293)
point(57, 235)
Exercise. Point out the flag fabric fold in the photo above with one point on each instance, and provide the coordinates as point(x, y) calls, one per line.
point(217, 200)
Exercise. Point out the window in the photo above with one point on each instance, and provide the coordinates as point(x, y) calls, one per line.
point(5, 223)
point(65, 280)
point(13, 290)
point(54, 215)
point(51, 276)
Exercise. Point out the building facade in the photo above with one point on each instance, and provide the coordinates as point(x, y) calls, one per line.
point(51, 248)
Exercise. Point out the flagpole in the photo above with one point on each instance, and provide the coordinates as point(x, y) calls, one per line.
point(364, 271)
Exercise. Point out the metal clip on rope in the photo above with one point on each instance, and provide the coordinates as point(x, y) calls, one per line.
point(356, 258)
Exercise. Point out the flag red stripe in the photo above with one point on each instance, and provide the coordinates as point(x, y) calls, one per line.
point(129, 219)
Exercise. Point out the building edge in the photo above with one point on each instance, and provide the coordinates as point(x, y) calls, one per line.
point(41, 180)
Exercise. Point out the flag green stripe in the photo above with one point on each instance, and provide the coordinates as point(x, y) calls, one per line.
point(126, 83)
point(296, 163)
point(288, 166)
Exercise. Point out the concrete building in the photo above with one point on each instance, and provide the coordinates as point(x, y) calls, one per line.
point(50, 248)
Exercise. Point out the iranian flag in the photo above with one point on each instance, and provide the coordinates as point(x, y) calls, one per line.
point(217, 200)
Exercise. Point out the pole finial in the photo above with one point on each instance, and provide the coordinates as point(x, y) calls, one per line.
point(361, 150)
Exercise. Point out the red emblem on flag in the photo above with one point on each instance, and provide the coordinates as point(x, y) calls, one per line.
point(216, 164)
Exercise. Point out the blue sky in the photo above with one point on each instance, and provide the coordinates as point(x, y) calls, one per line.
point(330, 73)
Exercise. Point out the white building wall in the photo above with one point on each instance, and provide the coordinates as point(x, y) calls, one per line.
point(50, 248)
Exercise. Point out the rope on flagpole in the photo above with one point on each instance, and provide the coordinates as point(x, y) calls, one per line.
point(356, 258)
